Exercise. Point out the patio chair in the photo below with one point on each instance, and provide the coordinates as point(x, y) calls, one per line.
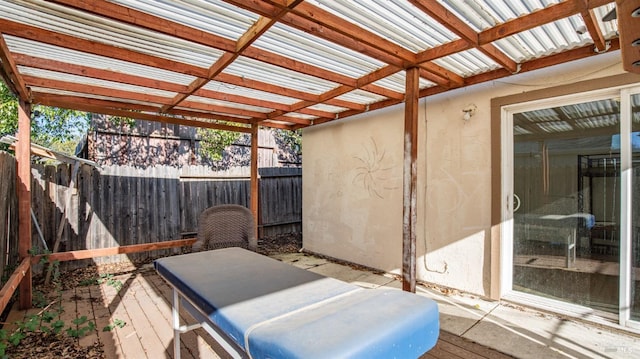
point(222, 226)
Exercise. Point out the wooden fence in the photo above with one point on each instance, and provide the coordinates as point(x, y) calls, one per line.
point(116, 206)
point(8, 216)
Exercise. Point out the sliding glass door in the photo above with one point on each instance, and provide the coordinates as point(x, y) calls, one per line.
point(630, 252)
point(574, 221)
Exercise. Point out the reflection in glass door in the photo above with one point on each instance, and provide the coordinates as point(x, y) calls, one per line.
point(566, 219)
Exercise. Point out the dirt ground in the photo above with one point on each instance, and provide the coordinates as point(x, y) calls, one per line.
point(38, 344)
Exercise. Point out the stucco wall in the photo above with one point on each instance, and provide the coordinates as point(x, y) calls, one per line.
point(352, 175)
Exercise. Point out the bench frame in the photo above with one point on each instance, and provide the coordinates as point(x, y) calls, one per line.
point(218, 335)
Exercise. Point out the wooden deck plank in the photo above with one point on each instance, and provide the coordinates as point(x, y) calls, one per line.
point(438, 352)
point(457, 352)
point(144, 303)
point(85, 308)
point(156, 302)
point(130, 346)
point(102, 315)
point(197, 342)
point(142, 328)
point(189, 344)
point(158, 323)
point(67, 308)
point(10, 322)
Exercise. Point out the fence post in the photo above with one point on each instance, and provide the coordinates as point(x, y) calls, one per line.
point(254, 176)
point(23, 155)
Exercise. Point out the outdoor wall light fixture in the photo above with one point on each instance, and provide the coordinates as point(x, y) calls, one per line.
point(469, 111)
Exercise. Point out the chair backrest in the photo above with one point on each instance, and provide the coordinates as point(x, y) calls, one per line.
point(227, 225)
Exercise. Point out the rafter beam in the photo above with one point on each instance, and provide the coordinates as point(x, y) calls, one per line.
point(591, 23)
point(460, 28)
point(138, 18)
point(10, 72)
point(96, 48)
point(95, 73)
point(242, 44)
point(82, 105)
point(234, 49)
point(320, 23)
point(629, 28)
point(537, 18)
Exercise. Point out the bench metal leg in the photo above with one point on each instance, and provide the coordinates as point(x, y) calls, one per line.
point(233, 350)
point(175, 311)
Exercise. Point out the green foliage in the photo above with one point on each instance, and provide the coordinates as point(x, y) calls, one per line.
point(89, 282)
point(44, 322)
point(110, 281)
point(213, 142)
point(47, 322)
point(39, 299)
point(122, 121)
point(50, 126)
point(117, 323)
point(291, 139)
point(8, 111)
point(83, 327)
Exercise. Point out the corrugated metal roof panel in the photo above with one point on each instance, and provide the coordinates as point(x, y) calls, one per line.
point(610, 28)
point(210, 101)
point(51, 52)
point(300, 116)
point(544, 40)
point(361, 97)
point(45, 74)
point(312, 50)
point(537, 42)
point(327, 108)
point(397, 21)
point(223, 115)
point(214, 16)
point(483, 14)
point(260, 71)
point(397, 82)
point(68, 21)
point(44, 90)
point(247, 92)
point(467, 63)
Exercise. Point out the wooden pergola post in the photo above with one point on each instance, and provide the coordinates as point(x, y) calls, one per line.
point(23, 156)
point(254, 176)
point(409, 218)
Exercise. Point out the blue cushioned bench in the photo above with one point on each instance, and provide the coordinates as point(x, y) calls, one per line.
point(258, 307)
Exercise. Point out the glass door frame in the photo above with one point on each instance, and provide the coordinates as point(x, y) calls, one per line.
point(623, 93)
point(626, 231)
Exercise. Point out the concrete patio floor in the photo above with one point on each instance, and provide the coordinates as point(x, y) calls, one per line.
point(511, 329)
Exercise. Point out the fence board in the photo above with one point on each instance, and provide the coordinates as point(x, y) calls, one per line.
point(8, 215)
point(128, 205)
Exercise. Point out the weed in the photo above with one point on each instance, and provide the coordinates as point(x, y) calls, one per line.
point(45, 320)
point(110, 281)
point(117, 323)
point(89, 282)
